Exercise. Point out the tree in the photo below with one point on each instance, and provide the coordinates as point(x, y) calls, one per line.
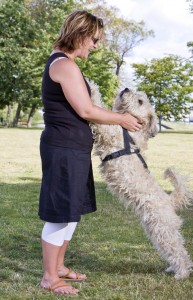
point(15, 47)
point(168, 82)
point(191, 5)
point(27, 29)
point(122, 35)
point(190, 46)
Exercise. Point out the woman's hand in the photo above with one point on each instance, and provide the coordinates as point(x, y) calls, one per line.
point(130, 123)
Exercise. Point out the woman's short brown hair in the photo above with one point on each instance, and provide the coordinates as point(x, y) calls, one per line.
point(76, 28)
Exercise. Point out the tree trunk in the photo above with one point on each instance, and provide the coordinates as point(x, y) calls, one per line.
point(8, 117)
point(160, 123)
point(119, 64)
point(17, 115)
point(118, 69)
point(31, 114)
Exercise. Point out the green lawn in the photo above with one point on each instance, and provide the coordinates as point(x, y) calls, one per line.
point(109, 245)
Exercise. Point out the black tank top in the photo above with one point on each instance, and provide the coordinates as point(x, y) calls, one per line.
point(63, 126)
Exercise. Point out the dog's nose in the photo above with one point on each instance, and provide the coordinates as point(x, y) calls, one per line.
point(126, 90)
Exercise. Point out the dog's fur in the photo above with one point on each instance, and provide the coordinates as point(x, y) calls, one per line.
point(134, 185)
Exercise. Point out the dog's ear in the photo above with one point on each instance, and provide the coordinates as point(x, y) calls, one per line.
point(152, 124)
point(126, 90)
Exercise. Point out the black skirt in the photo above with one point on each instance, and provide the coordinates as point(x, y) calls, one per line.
point(67, 189)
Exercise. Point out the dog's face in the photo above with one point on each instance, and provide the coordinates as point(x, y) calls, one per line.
point(139, 106)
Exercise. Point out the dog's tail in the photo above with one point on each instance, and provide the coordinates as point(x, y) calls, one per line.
point(182, 196)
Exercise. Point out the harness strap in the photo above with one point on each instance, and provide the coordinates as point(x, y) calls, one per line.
point(127, 150)
point(120, 153)
point(127, 141)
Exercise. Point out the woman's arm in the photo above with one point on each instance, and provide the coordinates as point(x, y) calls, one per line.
point(67, 73)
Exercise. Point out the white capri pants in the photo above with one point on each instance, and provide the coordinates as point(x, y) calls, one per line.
point(57, 233)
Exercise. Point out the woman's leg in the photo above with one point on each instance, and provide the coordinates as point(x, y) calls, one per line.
point(51, 251)
point(62, 269)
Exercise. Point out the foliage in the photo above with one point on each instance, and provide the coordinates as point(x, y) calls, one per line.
point(99, 68)
point(13, 46)
point(2, 2)
point(49, 15)
point(27, 30)
point(20, 69)
point(168, 84)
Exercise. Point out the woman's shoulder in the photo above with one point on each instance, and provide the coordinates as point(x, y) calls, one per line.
point(62, 65)
point(54, 56)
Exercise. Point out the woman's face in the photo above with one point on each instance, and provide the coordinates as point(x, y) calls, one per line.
point(89, 44)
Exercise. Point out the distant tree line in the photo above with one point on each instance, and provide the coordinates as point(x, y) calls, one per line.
point(168, 82)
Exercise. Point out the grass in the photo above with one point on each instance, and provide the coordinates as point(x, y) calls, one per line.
point(109, 245)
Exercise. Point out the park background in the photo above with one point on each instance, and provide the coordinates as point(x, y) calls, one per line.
point(109, 246)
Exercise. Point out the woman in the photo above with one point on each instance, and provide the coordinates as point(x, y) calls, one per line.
point(67, 189)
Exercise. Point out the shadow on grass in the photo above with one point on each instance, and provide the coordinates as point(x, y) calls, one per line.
point(20, 229)
point(176, 132)
point(122, 266)
point(20, 232)
point(29, 179)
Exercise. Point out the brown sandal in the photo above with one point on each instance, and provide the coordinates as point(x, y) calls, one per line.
point(58, 284)
point(77, 278)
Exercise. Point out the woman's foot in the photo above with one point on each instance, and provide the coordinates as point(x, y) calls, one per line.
point(70, 275)
point(58, 286)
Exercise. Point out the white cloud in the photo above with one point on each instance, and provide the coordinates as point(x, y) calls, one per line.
point(171, 21)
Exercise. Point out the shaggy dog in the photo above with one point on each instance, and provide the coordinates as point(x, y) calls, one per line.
point(127, 176)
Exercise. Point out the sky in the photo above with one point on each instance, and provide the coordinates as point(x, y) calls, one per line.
point(170, 20)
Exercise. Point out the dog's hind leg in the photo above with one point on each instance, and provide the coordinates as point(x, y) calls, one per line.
point(179, 260)
point(181, 265)
point(169, 242)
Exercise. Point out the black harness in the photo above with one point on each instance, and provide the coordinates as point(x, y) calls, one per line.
point(127, 150)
